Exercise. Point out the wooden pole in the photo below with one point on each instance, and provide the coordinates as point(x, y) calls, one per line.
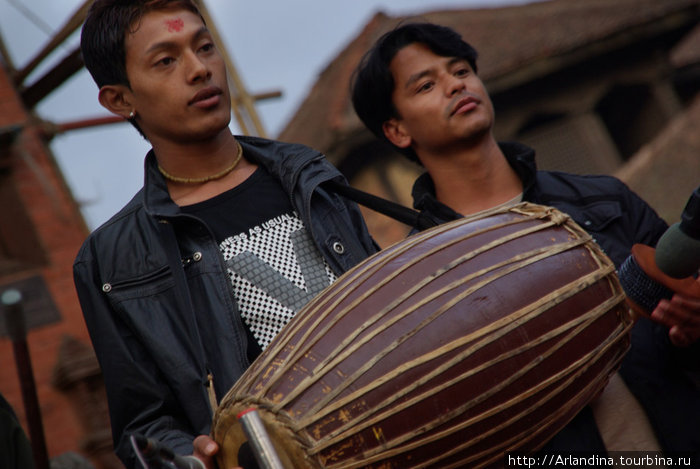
point(17, 330)
point(242, 102)
point(73, 23)
point(5, 57)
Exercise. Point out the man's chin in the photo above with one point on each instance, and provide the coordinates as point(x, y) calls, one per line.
point(211, 130)
point(477, 136)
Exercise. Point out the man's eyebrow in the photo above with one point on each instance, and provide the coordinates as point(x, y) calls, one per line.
point(455, 60)
point(416, 76)
point(170, 44)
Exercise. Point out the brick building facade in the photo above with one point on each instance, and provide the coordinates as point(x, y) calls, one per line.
point(41, 230)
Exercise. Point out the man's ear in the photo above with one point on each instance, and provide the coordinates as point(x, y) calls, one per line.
point(116, 98)
point(395, 133)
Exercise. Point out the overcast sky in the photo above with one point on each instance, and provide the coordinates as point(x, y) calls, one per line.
point(275, 44)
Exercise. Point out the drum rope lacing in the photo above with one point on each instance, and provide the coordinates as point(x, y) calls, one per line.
point(324, 407)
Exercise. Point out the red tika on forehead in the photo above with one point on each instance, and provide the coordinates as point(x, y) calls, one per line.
point(175, 25)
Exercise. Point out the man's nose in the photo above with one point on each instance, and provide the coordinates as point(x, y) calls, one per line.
point(197, 69)
point(454, 85)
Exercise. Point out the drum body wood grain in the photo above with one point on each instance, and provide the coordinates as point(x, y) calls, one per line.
point(449, 349)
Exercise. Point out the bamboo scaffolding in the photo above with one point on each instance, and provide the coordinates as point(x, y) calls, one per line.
point(242, 102)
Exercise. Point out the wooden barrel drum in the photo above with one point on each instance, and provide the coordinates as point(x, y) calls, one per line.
point(449, 349)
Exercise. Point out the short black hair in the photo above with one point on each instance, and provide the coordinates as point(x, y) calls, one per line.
point(103, 36)
point(373, 83)
point(104, 33)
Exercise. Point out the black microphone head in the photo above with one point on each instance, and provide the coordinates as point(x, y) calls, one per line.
point(150, 449)
point(639, 287)
point(690, 217)
point(677, 254)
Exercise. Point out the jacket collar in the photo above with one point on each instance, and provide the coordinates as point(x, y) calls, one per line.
point(284, 161)
point(520, 157)
point(156, 201)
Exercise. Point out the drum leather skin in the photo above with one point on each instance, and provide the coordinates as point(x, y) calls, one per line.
point(451, 348)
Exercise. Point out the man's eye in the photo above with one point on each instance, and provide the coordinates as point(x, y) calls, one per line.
point(425, 86)
point(165, 61)
point(462, 72)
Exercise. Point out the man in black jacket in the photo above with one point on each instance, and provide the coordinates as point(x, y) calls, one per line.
point(417, 88)
point(226, 241)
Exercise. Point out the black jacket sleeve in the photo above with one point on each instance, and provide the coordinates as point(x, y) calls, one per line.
point(140, 401)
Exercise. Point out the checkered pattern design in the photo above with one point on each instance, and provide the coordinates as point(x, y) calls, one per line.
point(275, 269)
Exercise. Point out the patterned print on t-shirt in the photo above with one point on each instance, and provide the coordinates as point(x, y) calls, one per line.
point(275, 269)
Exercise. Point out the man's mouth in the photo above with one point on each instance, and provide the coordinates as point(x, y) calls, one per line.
point(464, 104)
point(206, 97)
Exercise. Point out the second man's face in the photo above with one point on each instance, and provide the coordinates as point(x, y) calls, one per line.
point(177, 77)
point(441, 102)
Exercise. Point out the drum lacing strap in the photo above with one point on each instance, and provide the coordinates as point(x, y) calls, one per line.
point(172, 253)
point(391, 209)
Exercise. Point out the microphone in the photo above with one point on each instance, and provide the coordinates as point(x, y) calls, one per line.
point(260, 443)
point(650, 274)
point(645, 284)
point(154, 455)
point(678, 249)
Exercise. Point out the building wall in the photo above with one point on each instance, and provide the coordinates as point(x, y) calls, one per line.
point(41, 234)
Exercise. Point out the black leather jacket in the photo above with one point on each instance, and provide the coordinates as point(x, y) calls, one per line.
point(159, 306)
point(604, 206)
point(657, 373)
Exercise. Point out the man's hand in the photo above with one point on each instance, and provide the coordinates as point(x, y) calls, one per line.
point(205, 450)
point(682, 315)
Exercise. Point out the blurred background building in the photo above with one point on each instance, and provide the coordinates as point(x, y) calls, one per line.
point(594, 86)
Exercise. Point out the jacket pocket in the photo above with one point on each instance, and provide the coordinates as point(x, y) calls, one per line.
point(147, 284)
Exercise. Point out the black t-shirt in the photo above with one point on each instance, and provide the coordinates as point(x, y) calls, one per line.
point(273, 264)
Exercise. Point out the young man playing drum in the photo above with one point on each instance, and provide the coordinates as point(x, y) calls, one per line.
point(418, 89)
point(228, 238)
